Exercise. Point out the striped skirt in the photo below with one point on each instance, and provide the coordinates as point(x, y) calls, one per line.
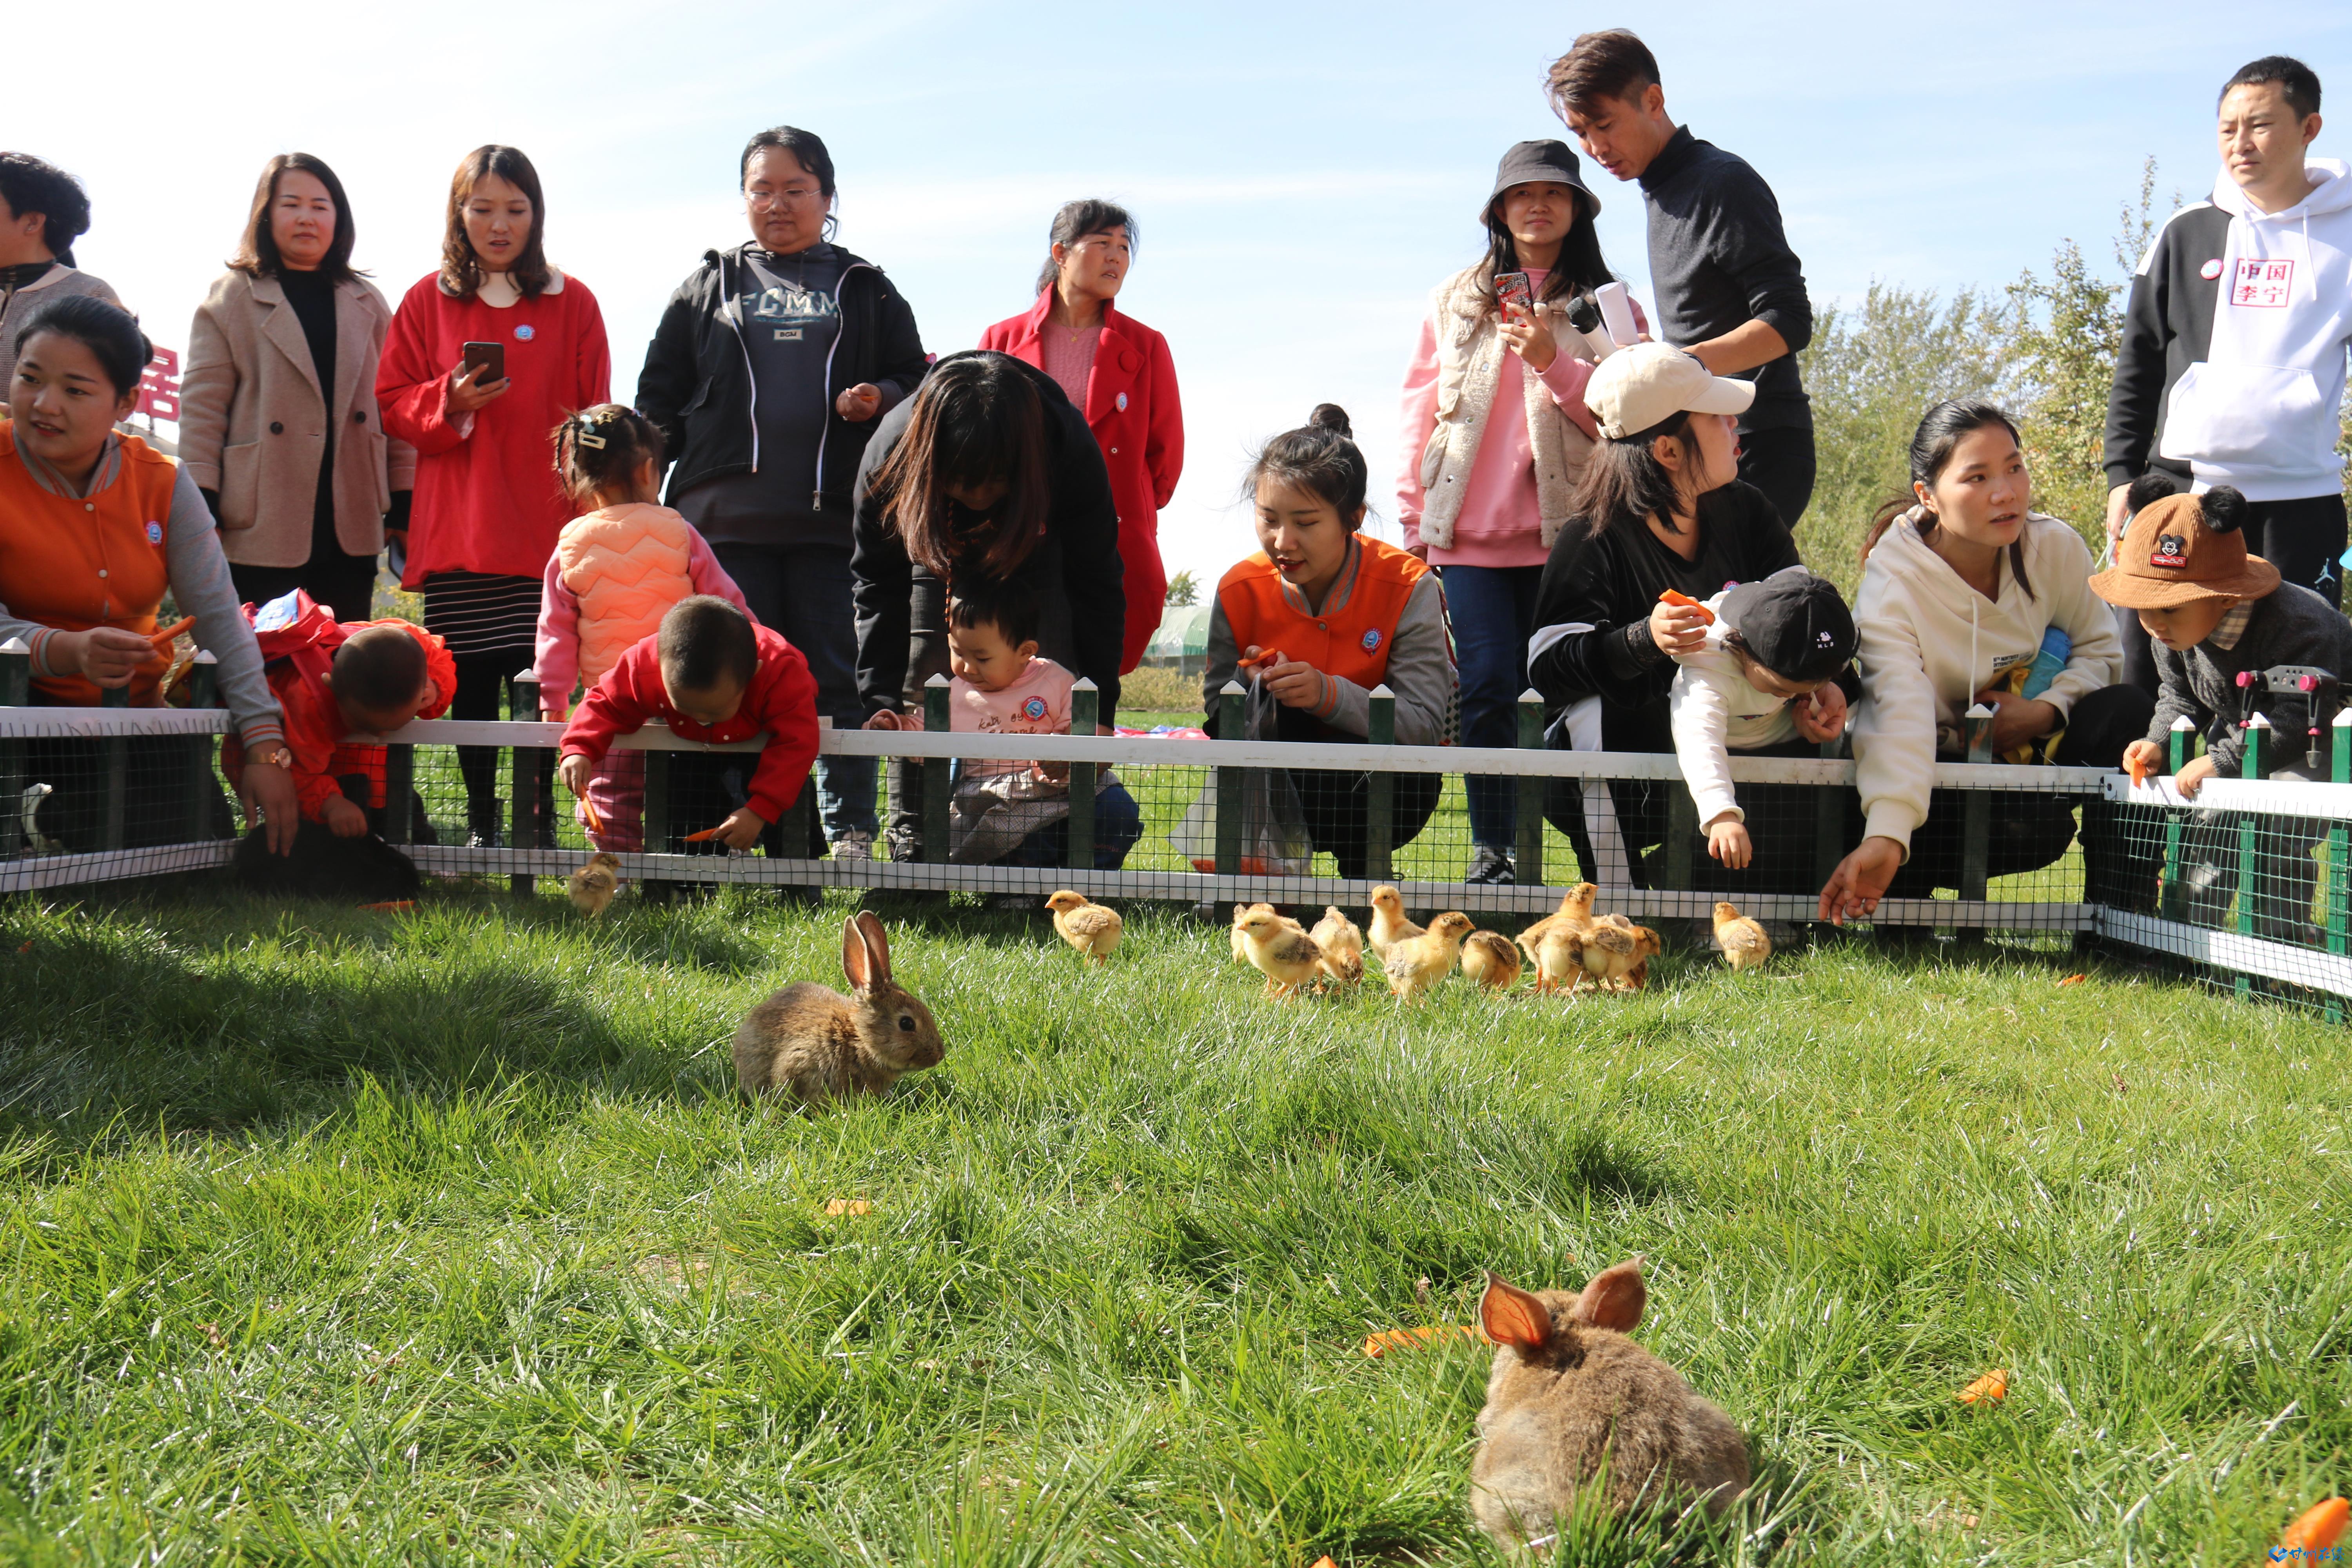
point(480, 612)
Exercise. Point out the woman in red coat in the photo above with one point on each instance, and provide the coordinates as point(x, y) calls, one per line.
point(1118, 373)
point(488, 505)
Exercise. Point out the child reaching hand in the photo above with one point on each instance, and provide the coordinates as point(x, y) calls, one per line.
point(1765, 680)
point(1005, 812)
point(712, 674)
point(615, 570)
point(333, 683)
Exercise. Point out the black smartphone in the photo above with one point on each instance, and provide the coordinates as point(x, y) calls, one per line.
point(492, 357)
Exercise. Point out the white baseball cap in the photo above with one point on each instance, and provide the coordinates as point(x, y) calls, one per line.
point(1649, 384)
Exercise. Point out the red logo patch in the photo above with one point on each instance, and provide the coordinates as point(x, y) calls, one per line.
point(2171, 550)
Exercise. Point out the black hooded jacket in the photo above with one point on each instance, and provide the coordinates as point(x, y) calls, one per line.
point(1074, 571)
point(696, 384)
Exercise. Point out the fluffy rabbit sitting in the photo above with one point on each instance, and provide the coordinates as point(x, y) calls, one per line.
point(1569, 1393)
point(814, 1042)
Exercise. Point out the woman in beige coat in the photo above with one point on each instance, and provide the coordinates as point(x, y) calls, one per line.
point(278, 419)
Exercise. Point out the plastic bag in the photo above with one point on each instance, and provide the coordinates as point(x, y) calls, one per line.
point(1274, 840)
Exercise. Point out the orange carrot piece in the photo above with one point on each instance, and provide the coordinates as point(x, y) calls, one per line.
point(2139, 767)
point(594, 823)
point(1378, 1345)
point(840, 1206)
point(393, 904)
point(2320, 1527)
point(1990, 1389)
point(1706, 615)
point(2073, 980)
point(1325, 1562)
point(163, 637)
point(705, 837)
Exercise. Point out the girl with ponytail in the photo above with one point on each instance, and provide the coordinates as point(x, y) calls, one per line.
point(1320, 615)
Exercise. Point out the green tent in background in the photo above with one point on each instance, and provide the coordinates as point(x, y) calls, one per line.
point(1181, 643)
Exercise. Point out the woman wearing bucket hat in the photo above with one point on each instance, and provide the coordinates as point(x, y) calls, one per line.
point(1495, 434)
point(1963, 584)
point(1659, 508)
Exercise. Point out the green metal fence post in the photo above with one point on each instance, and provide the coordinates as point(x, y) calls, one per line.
point(1976, 819)
point(2340, 840)
point(1380, 794)
point(1529, 851)
point(1828, 819)
point(658, 827)
point(118, 772)
point(935, 773)
point(794, 828)
point(1229, 783)
point(16, 690)
point(2184, 728)
point(202, 690)
point(1682, 827)
point(522, 706)
point(2254, 766)
point(1085, 702)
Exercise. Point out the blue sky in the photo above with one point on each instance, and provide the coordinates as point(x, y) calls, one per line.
point(1302, 173)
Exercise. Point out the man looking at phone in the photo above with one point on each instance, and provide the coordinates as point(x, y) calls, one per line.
point(1730, 289)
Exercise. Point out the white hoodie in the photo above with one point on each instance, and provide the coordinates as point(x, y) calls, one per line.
point(1715, 710)
point(2258, 412)
point(1930, 643)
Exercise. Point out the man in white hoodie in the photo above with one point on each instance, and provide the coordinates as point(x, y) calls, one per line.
point(2231, 367)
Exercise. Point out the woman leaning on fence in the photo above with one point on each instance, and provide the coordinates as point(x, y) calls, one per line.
point(96, 527)
point(1966, 589)
point(986, 474)
point(279, 420)
point(1320, 615)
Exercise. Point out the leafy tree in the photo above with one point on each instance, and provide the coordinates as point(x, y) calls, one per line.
point(1183, 589)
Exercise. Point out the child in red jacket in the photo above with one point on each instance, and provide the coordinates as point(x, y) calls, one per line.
point(712, 675)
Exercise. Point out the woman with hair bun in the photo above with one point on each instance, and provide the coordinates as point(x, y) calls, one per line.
point(1116, 372)
point(1323, 614)
point(488, 505)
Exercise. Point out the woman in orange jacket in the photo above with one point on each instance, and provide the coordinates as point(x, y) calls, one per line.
point(1118, 373)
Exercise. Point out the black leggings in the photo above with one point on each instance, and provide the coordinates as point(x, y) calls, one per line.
point(482, 683)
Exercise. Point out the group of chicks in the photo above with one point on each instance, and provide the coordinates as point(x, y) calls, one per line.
point(1570, 948)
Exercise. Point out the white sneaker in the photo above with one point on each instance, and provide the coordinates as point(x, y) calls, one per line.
point(854, 846)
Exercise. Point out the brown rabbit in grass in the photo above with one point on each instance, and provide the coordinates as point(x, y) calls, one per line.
point(1570, 1393)
point(810, 1041)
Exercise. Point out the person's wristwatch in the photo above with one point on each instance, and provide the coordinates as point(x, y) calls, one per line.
point(275, 754)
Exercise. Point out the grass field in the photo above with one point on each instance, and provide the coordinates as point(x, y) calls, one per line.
point(346, 1237)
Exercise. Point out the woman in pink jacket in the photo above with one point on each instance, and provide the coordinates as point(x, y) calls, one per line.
point(1115, 371)
point(1495, 432)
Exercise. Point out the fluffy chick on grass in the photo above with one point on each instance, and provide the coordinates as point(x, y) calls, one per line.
point(1389, 925)
point(1242, 913)
point(1342, 944)
point(1575, 913)
point(1276, 948)
point(1488, 958)
point(1617, 953)
point(1086, 926)
point(594, 885)
point(1415, 964)
point(1744, 942)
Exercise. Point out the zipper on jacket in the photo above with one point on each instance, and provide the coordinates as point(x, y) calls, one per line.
point(840, 292)
point(728, 310)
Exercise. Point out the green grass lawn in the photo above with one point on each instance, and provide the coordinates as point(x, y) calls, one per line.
point(341, 1237)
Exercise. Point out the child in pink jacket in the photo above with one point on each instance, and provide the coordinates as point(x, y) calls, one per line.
point(616, 572)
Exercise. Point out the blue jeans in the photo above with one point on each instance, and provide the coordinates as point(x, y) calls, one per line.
point(803, 593)
point(1492, 611)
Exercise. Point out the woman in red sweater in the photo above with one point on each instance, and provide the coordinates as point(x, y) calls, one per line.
point(488, 505)
point(1118, 373)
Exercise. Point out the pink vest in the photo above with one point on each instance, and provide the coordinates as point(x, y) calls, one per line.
point(628, 565)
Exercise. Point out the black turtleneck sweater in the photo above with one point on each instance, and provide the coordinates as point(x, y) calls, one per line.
point(312, 295)
point(1719, 260)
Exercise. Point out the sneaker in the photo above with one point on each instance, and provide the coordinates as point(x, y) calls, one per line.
point(854, 846)
point(1490, 867)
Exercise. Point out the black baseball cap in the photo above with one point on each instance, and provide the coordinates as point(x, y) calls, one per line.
point(1794, 623)
point(1541, 164)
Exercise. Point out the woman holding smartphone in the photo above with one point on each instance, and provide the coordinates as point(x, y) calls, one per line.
point(1495, 435)
point(485, 356)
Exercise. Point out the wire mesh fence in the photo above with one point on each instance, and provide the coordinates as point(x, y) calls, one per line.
point(2245, 884)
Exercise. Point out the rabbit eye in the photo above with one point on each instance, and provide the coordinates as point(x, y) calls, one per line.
point(906, 1022)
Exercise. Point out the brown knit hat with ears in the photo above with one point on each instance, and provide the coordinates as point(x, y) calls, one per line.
point(2182, 548)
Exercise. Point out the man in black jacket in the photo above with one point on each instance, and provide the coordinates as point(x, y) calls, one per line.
point(1730, 289)
point(772, 367)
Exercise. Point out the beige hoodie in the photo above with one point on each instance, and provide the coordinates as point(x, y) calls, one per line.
point(1930, 643)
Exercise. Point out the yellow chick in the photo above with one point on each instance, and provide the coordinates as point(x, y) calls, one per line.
point(1489, 959)
point(1560, 958)
point(594, 885)
point(1241, 912)
point(1614, 948)
point(1414, 964)
point(1286, 955)
point(1389, 925)
point(1647, 948)
point(1085, 925)
point(1745, 945)
point(1575, 910)
point(1342, 941)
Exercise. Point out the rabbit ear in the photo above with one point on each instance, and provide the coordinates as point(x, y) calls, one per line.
point(856, 962)
point(1513, 1316)
point(1615, 1298)
point(877, 949)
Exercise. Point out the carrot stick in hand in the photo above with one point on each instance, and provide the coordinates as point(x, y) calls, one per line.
point(705, 837)
point(1706, 615)
point(164, 637)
